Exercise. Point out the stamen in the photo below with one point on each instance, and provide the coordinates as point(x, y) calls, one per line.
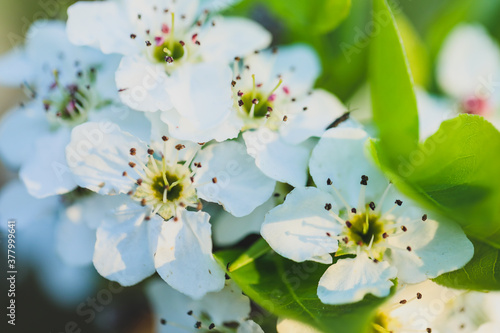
point(274, 89)
point(371, 242)
point(153, 162)
point(144, 168)
point(382, 199)
point(171, 44)
point(254, 90)
point(362, 192)
point(383, 217)
point(338, 218)
point(337, 192)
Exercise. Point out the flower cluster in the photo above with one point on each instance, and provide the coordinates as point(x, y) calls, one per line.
point(149, 123)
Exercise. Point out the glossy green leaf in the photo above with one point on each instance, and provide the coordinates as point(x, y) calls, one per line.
point(394, 104)
point(258, 249)
point(481, 273)
point(456, 172)
point(288, 289)
point(418, 57)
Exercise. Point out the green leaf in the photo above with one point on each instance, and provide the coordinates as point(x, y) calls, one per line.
point(481, 273)
point(288, 289)
point(416, 51)
point(394, 104)
point(310, 17)
point(456, 172)
point(258, 249)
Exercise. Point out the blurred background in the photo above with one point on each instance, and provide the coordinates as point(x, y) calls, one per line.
point(424, 24)
point(49, 300)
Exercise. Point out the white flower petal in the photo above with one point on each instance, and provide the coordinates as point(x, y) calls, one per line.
point(105, 83)
point(103, 25)
point(240, 186)
point(47, 173)
point(349, 280)
point(340, 156)
point(227, 305)
point(468, 58)
point(183, 256)
point(298, 228)
point(66, 285)
point(278, 159)
point(99, 153)
point(16, 203)
point(174, 311)
point(410, 316)
point(231, 37)
point(76, 232)
point(133, 122)
point(249, 326)
point(217, 5)
point(141, 84)
point(298, 66)
point(322, 109)
point(62, 56)
point(15, 68)
point(49, 36)
point(153, 16)
point(489, 328)
point(201, 93)
point(228, 229)
point(182, 128)
point(436, 248)
point(286, 325)
point(74, 239)
point(34, 125)
point(123, 250)
point(160, 129)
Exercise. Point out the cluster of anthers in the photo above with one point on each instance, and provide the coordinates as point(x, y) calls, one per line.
point(162, 44)
point(385, 323)
point(164, 185)
point(256, 106)
point(202, 323)
point(366, 228)
point(69, 104)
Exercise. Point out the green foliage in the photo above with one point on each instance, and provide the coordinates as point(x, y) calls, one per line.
point(417, 53)
point(288, 289)
point(393, 99)
point(310, 17)
point(258, 249)
point(344, 52)
point(455, 12)
point(481, 273)
point(454, 172)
